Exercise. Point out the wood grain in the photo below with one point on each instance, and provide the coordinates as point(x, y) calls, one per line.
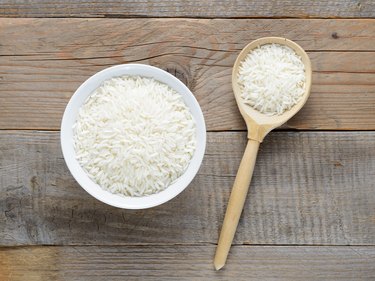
point(194, 8)
point(186, 263)
point(43, 61)
point(308, 188)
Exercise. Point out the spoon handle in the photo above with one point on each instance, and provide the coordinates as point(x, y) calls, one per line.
point(236, 203)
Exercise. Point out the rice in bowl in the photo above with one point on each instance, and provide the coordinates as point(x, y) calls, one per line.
point(134, 136)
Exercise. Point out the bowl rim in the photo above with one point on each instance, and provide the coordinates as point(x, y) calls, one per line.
point(69, 117)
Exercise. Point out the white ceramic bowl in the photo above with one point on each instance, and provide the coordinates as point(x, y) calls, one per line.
point(79, 174)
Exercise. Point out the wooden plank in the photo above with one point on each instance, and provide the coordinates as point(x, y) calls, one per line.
point(308, 188)
point(186, 263)
point(195, 8)
point(44, 61)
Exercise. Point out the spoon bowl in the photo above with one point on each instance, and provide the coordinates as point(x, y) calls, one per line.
point(258, 126)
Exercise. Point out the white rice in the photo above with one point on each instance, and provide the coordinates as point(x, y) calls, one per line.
point(272, 79)
point(134, 136)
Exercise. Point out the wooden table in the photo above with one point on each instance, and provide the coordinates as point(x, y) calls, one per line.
point(310, 213)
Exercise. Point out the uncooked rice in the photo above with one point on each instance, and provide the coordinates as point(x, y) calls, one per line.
point(134, 136)
point(272, 79)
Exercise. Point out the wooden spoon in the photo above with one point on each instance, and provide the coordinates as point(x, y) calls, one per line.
point(258, 126)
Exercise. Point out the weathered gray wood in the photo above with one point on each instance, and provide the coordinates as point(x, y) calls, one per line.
point(43, 61)
point(186, 263)
point(308, 188)
point(195, 8)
